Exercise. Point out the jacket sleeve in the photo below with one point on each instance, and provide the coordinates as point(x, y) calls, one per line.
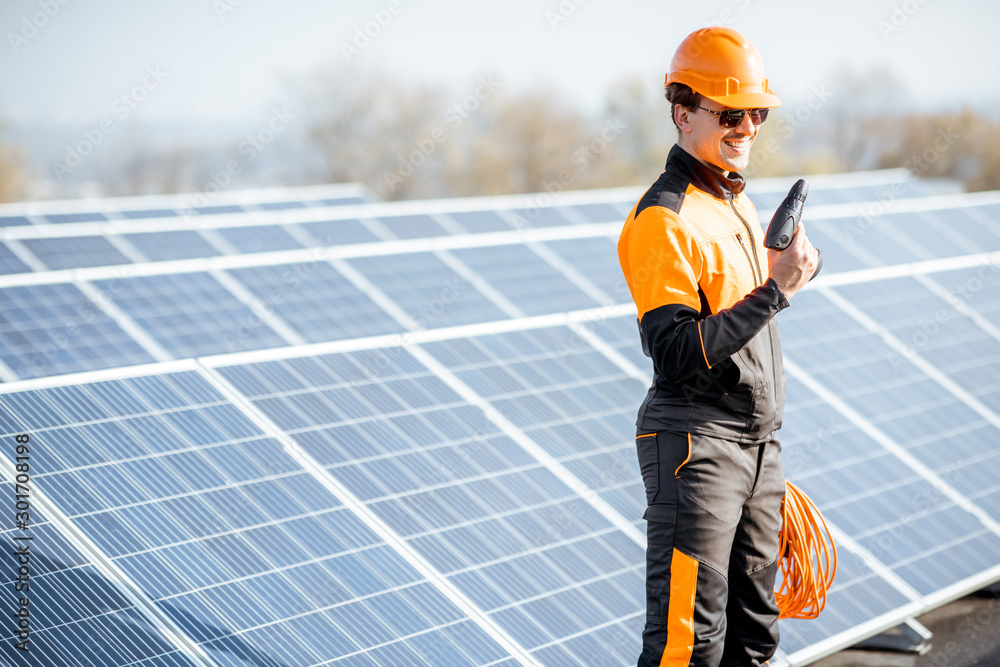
point(663, 262)
point(681, 342)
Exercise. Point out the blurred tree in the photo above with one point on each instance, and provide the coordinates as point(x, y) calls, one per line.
point(12, 182)
point(862, 106)
point(135, 166)
point(650, 133)
point(373, 129)
point(964, 146)
point(520, 143)
point(407, 141)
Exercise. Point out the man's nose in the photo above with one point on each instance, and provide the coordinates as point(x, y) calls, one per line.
point(746, 125)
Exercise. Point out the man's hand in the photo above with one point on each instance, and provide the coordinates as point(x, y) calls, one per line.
point(794, 266)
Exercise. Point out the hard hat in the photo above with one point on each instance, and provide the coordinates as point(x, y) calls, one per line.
point(722, 65)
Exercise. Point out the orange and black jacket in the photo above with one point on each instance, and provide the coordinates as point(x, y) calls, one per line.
point(692, 254)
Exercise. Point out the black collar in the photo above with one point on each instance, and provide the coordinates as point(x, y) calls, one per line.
point(720, 186)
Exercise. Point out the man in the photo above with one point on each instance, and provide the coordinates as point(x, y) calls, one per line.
point(707, 291)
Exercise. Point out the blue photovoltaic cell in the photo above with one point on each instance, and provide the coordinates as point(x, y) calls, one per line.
point(978, 225)
point(54, 329)
point(340, 201)
point(280, 205)
point(858, 594)
point(568, 397)
point(622, 333)
point(526, 279)
point(9, 263)
point(259, 238)
point(77, 615)
point(625, 207)
point(212, 210)
point(883, 504)
point(248, 554)
point(163, 246)
point(835, 239)
point(153, 213)
point(767, 202)
point(75, 217)
point(413, 226)
point(978, 288)
point(944, 433)
point(339, 232)
point(75, 252)
point(317, 301)
point(597, 259)
point(13, 220)
point(430, 292)
point(527, 550)
point(481, 221)
point(190, 314)
point(258, 563)
point(525, 218)
point(933, 235)
point(600, 212)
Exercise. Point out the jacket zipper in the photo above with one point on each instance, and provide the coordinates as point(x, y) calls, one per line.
point(755, 262)
point(739, 237)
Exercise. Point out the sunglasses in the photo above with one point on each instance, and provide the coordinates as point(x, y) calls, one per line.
point(733, 117)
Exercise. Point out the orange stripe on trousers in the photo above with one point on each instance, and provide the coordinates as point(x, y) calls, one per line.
point(680, 611)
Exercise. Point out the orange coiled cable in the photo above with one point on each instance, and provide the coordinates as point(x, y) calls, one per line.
point(807, 560)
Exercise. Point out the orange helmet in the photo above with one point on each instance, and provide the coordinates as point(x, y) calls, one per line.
point(722, 65)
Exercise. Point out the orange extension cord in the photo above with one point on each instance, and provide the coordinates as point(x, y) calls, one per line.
point(808, 557)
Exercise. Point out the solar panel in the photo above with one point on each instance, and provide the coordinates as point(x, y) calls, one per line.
point(518, 273)
point(447, 475)
point(76, 614)
point(75, 252)
point(259, 239)
point(58, 218)
point(10, 263)
point(430, 291)
point(317, 301)
point(590, 256)
point(339, 232)
point(247, 554)
point(412, 226)
point(165, 246)
point(184, 206)
point(190, 314)
point(52, 329)
point(469, 499)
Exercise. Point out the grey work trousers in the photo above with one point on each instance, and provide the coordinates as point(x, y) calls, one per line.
point(713, 520)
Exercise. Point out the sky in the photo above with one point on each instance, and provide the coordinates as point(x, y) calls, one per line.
point(77, 62)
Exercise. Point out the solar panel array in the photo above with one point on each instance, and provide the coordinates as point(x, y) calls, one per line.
point(401, 434)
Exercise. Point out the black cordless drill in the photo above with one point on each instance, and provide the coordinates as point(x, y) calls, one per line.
point(786, 221)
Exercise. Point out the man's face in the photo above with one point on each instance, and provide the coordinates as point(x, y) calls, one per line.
point(725, 148)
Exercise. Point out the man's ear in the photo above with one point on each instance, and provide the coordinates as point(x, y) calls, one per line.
point(682, 117)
